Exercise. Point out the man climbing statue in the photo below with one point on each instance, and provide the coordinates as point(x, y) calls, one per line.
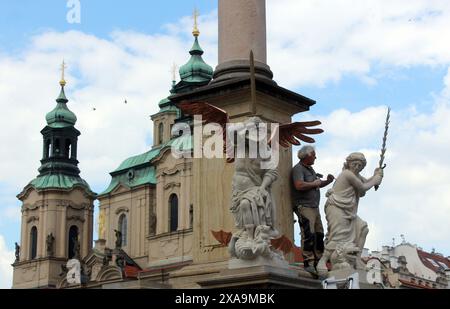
point(307, 184)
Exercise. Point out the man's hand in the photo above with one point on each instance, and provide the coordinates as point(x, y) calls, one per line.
point(330, 178)
point(317, 183)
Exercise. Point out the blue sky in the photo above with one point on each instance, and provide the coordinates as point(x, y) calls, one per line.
point(353, 59)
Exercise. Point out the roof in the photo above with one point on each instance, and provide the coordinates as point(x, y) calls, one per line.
point(196, 70)
point(138, 170)
point(61, 116)
point(59, 181)
point(433, 261)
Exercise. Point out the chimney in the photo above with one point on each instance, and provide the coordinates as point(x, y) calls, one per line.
point(242, 28)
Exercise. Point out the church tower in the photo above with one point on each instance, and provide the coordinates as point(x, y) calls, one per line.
point(57, 209)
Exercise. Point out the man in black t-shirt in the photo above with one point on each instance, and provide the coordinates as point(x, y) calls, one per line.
point(306, 199)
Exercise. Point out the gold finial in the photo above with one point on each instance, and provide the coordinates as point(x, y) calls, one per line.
point(63, 67)
point(196, 32)
point(174, 72)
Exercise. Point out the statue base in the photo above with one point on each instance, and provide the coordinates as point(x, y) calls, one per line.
point(342, 274)
point(262, 276)
point(258, 261)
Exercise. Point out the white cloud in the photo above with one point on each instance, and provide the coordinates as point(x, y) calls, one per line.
point(102, 74)
point(325, 40)
point(6, 270)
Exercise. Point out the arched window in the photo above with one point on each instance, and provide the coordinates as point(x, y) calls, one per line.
point(161, 133)
point(68, 149)
point(33, 242)
point(173, 219)
point(73, 242)
point(123, 229)
point(48, 149)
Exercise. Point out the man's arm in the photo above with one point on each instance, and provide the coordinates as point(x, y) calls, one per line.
point(329, 180)
point(305, 186)
point(299, 181)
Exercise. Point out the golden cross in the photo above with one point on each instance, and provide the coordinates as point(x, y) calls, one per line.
point(63, 67)
point(196, 32)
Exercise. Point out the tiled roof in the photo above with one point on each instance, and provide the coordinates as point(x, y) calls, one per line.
point(431, 260)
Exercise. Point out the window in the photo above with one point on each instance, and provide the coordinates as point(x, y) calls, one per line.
point(48, 149)
point(443, 265)
point(73, 242)
point(33, 242)
point(433, 262)
point(123, 228)
point(161, 133)
point(67, 152)
point(173, 219)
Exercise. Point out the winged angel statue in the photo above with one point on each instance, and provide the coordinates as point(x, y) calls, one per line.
point(252, 204)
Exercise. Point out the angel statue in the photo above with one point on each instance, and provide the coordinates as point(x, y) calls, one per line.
point(252, 204)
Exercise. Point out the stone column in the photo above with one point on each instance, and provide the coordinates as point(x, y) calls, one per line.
point(242, 27)
point(24, 236)
point(61, 240)
point(86, 238)
point(161, 209)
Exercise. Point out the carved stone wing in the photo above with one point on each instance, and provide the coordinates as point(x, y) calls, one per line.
point(210, 114)
point(222, 237)
point(283, 243)
point(291, 133)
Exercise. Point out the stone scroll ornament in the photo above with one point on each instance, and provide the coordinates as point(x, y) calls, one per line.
point(252, 205)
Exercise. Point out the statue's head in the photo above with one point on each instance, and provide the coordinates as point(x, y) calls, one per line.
point(249, 129)
point(355, 162)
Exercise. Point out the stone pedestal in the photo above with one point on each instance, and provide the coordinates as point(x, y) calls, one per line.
point(259, 261)
point(263, 276)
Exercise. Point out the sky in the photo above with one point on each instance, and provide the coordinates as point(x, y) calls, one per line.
point(354, 58)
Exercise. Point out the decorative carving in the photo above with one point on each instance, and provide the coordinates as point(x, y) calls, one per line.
point(170, 172)
point(152, 223)
point(17, 253)
point(74, 272)
point(76, 247)
point(118, 239)
point(172, 185)
point(76, 218)
point(122, 209)
point(50, 245)
point(32, 219)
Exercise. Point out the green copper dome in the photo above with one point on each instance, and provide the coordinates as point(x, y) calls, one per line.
point(61, 116)
point(196, 70)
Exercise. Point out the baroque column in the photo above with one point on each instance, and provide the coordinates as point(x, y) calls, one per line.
point(242, 27)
